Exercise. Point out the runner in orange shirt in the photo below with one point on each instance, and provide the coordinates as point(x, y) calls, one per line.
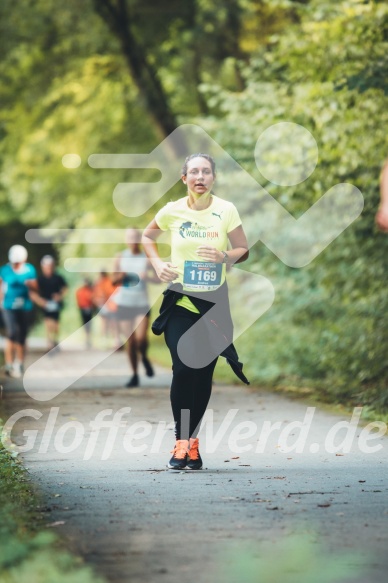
point(102, 291)
point(84, 297)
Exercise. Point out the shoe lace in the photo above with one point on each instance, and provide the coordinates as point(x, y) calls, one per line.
point(194, 451)
point(181, 449)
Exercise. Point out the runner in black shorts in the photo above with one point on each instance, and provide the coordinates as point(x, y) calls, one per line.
point(52, 290)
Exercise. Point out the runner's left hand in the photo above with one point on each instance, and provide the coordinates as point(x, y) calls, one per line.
point(210, 253)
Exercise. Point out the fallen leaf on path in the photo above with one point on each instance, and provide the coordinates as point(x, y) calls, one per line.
point(235, 458)
point(311, 492)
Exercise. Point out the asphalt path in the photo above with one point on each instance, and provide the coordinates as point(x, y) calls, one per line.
point(258, 511)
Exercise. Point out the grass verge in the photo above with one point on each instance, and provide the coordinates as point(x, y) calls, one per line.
point(29, 551)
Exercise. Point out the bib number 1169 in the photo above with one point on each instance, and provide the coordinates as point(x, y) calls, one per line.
point(202, 274)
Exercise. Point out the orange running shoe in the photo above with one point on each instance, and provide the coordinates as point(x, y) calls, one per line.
point(194, 461)
point(179, 458)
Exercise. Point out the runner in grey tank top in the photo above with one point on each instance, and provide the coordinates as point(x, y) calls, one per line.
point(133, 307)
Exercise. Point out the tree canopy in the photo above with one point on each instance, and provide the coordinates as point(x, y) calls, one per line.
point(119, 75)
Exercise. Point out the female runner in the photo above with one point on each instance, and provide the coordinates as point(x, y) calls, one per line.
point(201, 226)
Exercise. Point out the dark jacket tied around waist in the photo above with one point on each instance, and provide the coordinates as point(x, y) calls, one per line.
point(216, 322)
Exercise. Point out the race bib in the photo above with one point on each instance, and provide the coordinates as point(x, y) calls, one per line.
point(202, 275)
point(18, 303)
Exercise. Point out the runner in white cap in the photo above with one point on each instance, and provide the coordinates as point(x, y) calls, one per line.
point(17, 279)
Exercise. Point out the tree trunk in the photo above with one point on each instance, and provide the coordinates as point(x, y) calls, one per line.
point(115, 14)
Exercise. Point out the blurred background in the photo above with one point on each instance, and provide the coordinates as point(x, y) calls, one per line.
point(118, 76)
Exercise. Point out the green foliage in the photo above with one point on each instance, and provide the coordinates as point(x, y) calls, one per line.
point(327, 328)
point(66, 90)
point(302, 560)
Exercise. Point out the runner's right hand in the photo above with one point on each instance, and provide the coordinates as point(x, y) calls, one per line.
point(165, 271)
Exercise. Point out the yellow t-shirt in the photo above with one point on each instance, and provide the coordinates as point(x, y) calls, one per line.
point(191, 228)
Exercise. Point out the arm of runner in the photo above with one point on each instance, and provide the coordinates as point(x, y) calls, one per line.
point(33, 292)
point(58, 297)
point(237, 254)
point(117, 275)
point(32, 285)
point(37, 299)
point(164, 269)
point(150, 275)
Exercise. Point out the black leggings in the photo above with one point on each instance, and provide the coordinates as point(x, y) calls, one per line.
point(191, 387)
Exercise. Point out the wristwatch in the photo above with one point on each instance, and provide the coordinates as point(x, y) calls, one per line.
point(226, 257)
